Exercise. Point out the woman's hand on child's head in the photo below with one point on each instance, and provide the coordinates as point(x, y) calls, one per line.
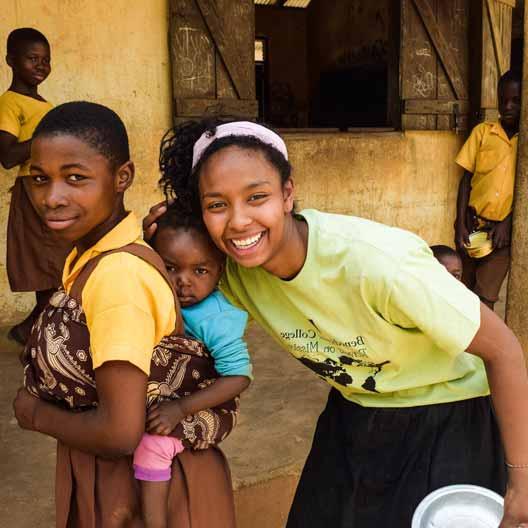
point(25, 406)
point(149, 222)
point(162, 418)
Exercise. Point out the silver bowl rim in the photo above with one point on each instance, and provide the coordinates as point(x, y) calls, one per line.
point(450, 490)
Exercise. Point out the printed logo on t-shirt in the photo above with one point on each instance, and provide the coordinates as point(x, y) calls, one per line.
point(339, 361)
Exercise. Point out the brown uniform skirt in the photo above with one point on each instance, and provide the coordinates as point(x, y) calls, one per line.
point(93, 492)
point(96, 492)
point(35, 256)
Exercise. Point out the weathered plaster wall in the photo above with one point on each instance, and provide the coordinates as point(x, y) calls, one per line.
point(405, 179)
point(114, 53)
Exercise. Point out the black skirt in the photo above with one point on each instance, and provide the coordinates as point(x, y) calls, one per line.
point(371, 467)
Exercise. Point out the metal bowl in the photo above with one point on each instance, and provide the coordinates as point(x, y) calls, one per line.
point(459, 506)
point(479, 244)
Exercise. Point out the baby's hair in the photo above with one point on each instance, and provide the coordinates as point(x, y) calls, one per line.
point(180, 181)
point(23, 36)
point(510, 76)
point(440, 252)
point(174, 218)
point(95, 124)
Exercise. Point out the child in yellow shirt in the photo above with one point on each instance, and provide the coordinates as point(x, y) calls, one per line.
point(34, 256)
point(485, 193)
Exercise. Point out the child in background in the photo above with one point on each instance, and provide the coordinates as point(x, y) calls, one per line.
point(194, 265)
point(450, 259)
point(485, 193)
point(34, 256)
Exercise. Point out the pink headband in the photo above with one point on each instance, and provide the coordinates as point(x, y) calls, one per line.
point(239, 128)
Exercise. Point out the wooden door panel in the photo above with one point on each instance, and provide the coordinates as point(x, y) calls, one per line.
point(212, 46)
point(434, 64)
point(496, 51)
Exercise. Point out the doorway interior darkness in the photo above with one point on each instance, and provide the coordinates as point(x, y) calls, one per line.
point(326, 64)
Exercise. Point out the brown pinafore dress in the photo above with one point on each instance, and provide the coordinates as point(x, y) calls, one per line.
point(35, 256)
point(94, 492)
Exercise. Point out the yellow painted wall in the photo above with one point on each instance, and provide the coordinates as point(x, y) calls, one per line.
point(116, 53)
point(112, 52)
point(407, 179)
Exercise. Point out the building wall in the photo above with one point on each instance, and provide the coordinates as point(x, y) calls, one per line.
point(111, 53)
point(404, 179)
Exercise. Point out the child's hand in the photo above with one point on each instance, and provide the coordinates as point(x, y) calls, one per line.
point(461, 235)
point(501, 233)
point(163, 417)
point(25, 406)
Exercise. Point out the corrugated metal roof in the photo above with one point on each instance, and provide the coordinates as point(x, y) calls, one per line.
point(288, 3)
point(297, 3)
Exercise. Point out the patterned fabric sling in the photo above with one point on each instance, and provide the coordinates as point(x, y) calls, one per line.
point(58, 365)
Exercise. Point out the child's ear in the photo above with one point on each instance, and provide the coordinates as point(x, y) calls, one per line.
point(9, 60)
point(288, 194)
point(125, 176)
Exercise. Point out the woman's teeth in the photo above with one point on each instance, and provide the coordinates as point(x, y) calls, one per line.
point(244, 243)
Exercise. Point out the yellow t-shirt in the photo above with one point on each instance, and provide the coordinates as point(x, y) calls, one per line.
point(19, 116)
point(128, 305)
point(491, 156)
point(372, 312)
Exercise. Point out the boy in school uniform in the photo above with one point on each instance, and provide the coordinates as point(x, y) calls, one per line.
point(485, 194)
point(35, 257)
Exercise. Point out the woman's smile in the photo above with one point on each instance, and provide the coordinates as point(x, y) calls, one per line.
point(246, 245)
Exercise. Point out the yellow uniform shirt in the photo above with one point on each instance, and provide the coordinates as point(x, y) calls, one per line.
point(372, 312)
point(128, 305)
point(19, 116)
point(491, 156)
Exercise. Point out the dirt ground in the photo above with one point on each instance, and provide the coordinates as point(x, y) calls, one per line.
point(278, 416)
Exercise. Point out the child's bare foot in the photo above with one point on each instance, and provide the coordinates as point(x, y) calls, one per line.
point(163, 417)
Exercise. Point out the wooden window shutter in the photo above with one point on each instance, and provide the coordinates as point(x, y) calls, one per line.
point(434, 64)
point(496, 52)
point(212, 46)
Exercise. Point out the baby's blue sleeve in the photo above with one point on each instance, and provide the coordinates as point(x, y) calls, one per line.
point(221, 329)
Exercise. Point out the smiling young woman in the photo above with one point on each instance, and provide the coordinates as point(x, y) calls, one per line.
point(410, 353)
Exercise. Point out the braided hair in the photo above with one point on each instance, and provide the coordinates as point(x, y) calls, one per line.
point(178, 178)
